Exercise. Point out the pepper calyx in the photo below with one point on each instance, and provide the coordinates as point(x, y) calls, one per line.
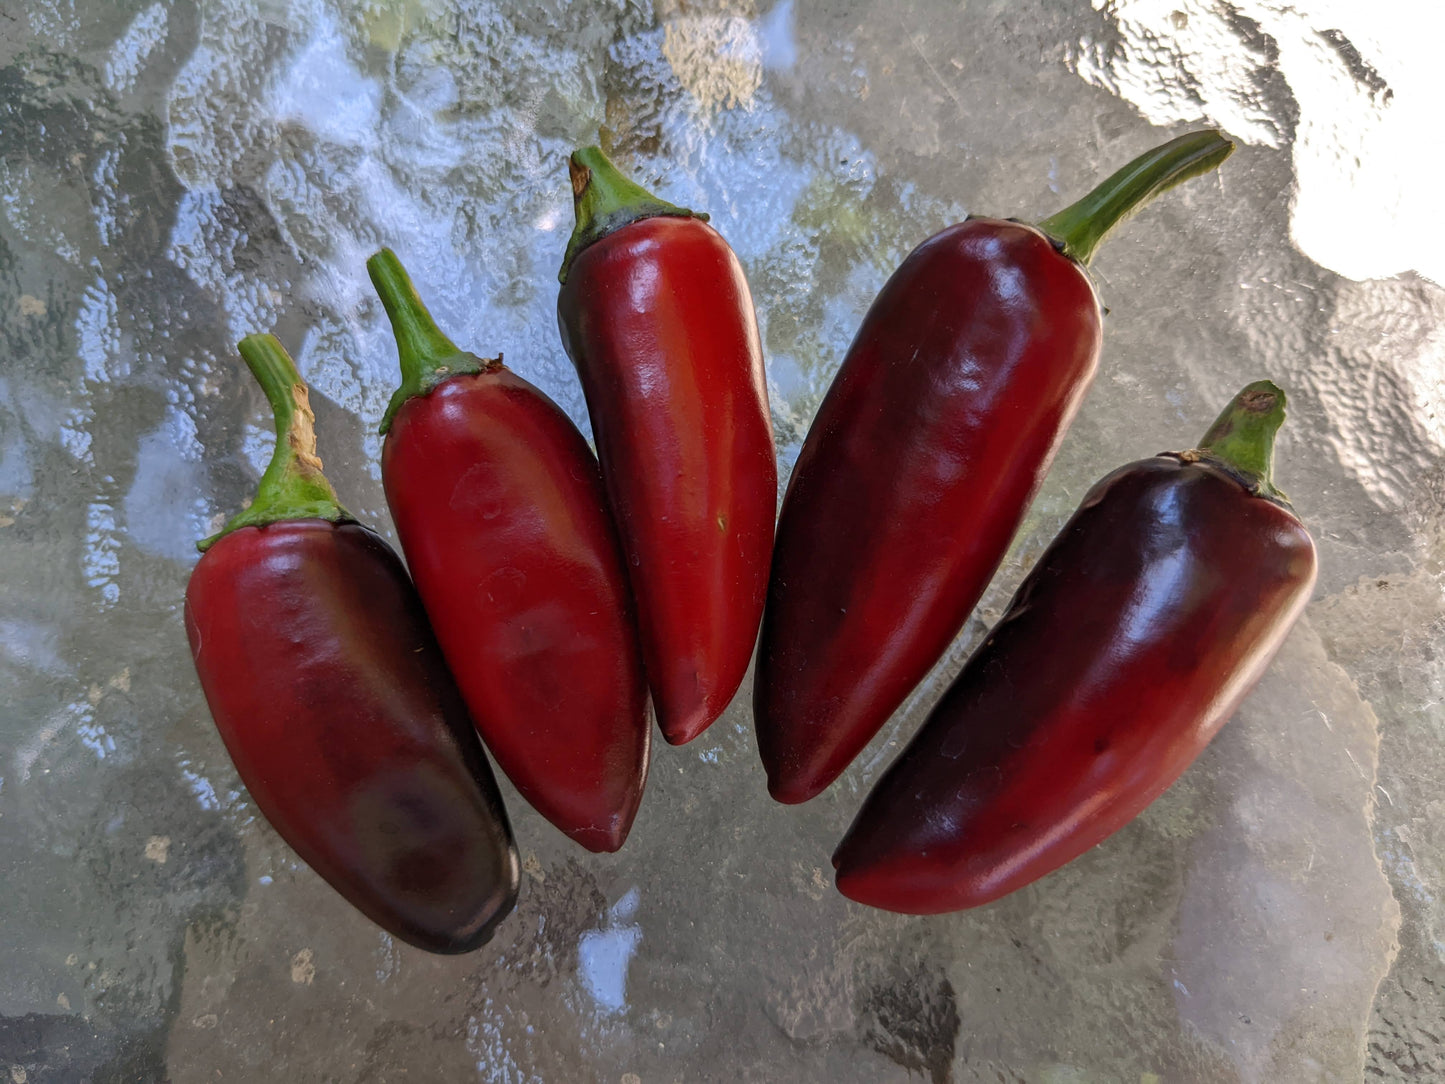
point(1240, 443)
point(427, 356)
point(605, 201)
point(293, 486)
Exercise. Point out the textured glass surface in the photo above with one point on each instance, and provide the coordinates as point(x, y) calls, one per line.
point(175, 175)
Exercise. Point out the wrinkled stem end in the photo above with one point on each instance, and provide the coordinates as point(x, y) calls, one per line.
point(605, 201)
point(1082, 227)
point(293, 486)
point(1242, 437)
point(580, 176)
point(427, 356)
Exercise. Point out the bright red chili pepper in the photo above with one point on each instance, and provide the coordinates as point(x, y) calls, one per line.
point(1128, 646)
point(335, 704)
point(501, 513)
point(929, 446)
point(656, 315)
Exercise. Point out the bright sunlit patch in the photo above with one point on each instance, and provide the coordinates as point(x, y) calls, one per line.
point(775, 31)
point(1365, 83)
point(718, 58)
point(129, 55)
point(603, 956)
point(325, 92)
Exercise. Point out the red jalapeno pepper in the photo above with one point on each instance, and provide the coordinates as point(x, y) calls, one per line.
point(1130, 643)
point(656, 315)
point(924, 456)
point(335, 704)
point(501, 513)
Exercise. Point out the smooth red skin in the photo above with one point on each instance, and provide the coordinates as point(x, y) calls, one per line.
point(930, 444)
point(338, 711)
point(658, 319)
point(501, 513)
point(1132, 641)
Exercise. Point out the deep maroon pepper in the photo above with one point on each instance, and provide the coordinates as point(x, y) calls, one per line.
point(501, 513)
point(925, 454)
point(335, 704)
point(656, 315)
point(1127, 647)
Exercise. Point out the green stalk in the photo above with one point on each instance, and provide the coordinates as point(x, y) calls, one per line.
point(1082, 227)
point(1242, 437)
point(605, 201)
point(427, 356)
point(293, 486)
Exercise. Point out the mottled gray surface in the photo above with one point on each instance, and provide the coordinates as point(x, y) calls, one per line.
point(174, 175)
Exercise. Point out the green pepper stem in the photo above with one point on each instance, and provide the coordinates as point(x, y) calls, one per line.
point(605, 201)
point(427, 356)
point(1082, 227)
point(293, 486)
point(1242, 437)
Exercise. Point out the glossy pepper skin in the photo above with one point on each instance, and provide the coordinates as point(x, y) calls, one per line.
point(1127, 647)
point(333, 700)
point(923, 459)
point(500, 509)
point(913, 479)
point(656, 315)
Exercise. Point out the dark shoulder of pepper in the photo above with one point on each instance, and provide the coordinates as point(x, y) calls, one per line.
point(1127, 647)
point(333, 700)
